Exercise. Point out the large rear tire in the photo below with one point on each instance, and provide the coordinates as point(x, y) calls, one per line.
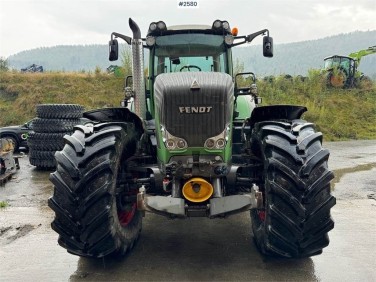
point(296, 217)
point(95, 210)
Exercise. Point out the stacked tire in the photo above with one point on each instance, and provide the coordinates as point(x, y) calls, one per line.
point(52, 123)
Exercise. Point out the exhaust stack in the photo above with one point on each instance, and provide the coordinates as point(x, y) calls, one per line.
point(138, 71)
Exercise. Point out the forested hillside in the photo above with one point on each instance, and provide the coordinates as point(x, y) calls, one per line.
point(292, 58)
point(298, 58)
point(63, 58)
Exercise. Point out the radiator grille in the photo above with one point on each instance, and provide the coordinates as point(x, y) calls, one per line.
point(194, 114)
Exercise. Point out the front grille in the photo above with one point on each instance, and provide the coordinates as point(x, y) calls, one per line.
point(194, 114)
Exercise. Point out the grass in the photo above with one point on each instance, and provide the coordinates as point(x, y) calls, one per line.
point(20, 93)
point(341, 114)
point(3, 204)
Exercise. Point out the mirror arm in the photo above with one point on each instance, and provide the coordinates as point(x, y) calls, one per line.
point(252, 36)
point(239, 43)
point(124, 37)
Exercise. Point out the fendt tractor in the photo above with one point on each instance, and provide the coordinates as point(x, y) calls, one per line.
point(189, 141)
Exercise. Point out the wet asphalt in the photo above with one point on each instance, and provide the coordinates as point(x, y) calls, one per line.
point(195, 249)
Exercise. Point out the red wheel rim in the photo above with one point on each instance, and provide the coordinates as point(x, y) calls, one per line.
point(125, 217)
point(261, 215)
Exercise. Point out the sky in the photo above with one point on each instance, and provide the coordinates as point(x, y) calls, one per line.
point(29, 24)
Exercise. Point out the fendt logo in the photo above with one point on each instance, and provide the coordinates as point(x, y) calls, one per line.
point(194, 110)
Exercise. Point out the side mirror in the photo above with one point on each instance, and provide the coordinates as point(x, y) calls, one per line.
point(114, 50)
point(268, 46)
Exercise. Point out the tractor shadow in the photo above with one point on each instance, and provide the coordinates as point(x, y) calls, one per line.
point(196, 249)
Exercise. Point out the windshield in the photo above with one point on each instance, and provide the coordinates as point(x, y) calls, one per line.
point(337, 62)
point(190, 52)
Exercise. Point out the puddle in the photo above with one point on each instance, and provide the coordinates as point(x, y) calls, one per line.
point(355, 183)
point(339, 173)
point(10, 233)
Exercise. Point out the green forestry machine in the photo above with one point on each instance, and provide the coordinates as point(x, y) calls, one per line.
point(189, 141)
point(342, 71)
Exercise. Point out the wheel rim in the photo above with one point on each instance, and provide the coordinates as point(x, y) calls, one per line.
point(261, 215)
point(126, 216)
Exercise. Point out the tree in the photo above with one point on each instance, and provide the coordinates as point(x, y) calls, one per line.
point(4, 66)
point(239, 66)
point(126, 60)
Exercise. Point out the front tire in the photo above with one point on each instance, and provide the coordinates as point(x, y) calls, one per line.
point(296, 217)
point(336, 79)
point(92, 216)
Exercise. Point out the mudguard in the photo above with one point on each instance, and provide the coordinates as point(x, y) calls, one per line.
point(114, 115)
point(276, 112)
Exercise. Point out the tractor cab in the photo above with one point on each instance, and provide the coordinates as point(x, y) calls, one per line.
point(205, 52)
point(187, 49)
point(343, 63)
point(340, 70)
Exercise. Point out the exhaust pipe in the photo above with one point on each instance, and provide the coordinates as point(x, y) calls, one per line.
point(138, 71)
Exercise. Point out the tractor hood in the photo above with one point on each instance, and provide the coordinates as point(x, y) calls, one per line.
point(194, 106)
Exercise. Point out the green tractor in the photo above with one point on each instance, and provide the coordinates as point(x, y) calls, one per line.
point(342, 71)
point(189, 141)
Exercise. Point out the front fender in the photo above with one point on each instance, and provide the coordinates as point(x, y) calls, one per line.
point(115, 115)
point(276, 112)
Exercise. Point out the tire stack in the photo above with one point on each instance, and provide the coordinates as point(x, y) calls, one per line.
point(52, 123)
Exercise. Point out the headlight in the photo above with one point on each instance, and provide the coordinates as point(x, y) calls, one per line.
point(229, 39)
point(181, 144)
point(161, 25)
point(221, 25)
point(218, 142)
point(226, 25)
point(217, 24)
point(153, 26)
point(150, 40)
point(172, 142)
point(209, 143)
